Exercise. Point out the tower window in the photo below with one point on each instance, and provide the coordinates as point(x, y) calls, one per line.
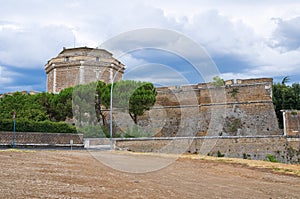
point(97, 59)
point(67, 58)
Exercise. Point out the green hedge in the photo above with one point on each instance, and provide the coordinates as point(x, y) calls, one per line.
point(32, 126)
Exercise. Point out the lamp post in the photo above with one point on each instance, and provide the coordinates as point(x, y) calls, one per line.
point(112, 79)
point(14, 135)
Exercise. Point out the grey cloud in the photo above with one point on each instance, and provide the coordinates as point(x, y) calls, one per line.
point(219, 34)
point(31, 47)
point(7, 76)
point(166, 40)
point(286, 35)
point(158, 74)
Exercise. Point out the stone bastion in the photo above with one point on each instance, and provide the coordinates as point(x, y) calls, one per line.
point(241, 108)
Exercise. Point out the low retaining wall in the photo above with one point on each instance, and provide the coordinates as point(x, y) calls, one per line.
point(30, 139)
point(256, 147)
point(96, 142)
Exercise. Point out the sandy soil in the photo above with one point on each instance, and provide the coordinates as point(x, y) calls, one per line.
point(80, 174)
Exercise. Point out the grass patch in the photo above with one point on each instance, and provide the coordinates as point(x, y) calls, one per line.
point(18, 150)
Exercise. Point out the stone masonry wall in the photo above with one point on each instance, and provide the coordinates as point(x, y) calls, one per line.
point(292, 122)
point(257, 148)
point(66, 77)
point(53, 139)
point(241, 109)
point(81, 65)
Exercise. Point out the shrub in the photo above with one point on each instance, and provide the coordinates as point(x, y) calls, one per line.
point(246, 156)
point(271, 158)
point(218, 81)
point(220, 154)
point(33, 126)
point(294, 112)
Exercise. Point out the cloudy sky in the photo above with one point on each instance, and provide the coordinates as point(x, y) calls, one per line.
point(245, 39)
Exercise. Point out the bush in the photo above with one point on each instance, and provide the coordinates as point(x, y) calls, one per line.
point(271, 158)
point(220, 154)
point(33, 126)
point(218, 81)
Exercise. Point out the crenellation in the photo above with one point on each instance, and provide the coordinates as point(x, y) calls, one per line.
point(229, 82)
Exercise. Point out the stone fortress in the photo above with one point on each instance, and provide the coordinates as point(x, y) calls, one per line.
point(82, 65)
point(244, 108)
point(239, 114)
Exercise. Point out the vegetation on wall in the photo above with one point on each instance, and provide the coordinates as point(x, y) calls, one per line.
point(218, 81)
point(232, 125)
point(233, 93)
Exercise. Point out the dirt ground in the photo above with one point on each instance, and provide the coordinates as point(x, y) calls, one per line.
point(80, 174)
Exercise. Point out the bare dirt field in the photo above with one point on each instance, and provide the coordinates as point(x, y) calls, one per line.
point(78, 174)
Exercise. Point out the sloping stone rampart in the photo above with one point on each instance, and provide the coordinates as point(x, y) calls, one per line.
point(241, 109)
point(283, 149)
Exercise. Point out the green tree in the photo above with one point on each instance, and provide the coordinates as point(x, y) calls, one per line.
point(131, 96)
point(24, 105)
point(100, 89)
point(44, 100)
point(218, 81)
point(142, 99)
point(285, 97)
point(61, 105)
point(285, 80)
point(84, 104)
point(277, 101)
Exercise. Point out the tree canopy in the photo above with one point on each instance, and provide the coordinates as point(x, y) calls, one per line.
point(218, 81)
point(285, 97)
point(88, 101)
point(24, 105)
point(134, 97)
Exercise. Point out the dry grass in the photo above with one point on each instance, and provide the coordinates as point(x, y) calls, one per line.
point(293, 169)
point(275, 166)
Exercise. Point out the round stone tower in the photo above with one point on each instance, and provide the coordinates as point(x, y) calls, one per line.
point(81, 65)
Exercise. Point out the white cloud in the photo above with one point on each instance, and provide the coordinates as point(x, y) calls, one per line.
point(219, 34)
point(286, 35)
point(131, 62)
point(228, 76)
point(7, 76)
point(34, 31)
point(158, 74)
point(31, 47)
